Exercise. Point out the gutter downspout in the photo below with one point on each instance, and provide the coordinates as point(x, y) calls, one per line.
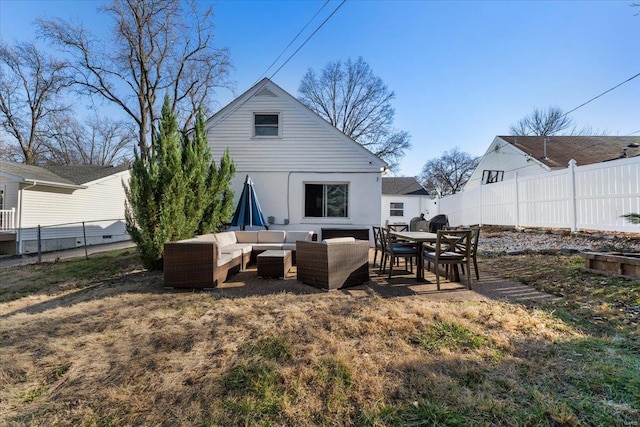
point(20, 197)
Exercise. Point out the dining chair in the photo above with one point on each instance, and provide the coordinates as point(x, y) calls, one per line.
point(399, 227)
point(394, 251)
point(378, 246)
point(475, 236)
point(453, 248)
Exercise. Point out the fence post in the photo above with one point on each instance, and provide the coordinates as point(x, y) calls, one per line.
point(517, 202)
point(573, 220)
point(84, 239)
point(39, 244)
point(481, 204)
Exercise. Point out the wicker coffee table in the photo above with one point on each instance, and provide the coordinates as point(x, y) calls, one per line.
point(274, 263)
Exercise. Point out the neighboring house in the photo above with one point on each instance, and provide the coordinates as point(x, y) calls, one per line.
point(60, 199)
point(403, 199)
point(529, 155)
point(307, 174)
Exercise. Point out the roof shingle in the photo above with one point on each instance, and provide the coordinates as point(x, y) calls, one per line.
point(403, 186)
point(68, 175)
point(585, 150)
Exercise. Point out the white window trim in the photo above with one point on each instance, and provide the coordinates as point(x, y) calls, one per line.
point(391, 209)
point(327, 219)
point(266, 113)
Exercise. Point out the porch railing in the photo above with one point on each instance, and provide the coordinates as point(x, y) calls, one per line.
point(6, 219)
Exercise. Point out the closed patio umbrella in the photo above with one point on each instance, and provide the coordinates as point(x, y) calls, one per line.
point(248, 210)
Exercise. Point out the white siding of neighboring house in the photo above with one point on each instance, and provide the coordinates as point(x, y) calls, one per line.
point(10, 193)
point(46, 206)
point(505, 157)
point(413, 207)
point(308, 150)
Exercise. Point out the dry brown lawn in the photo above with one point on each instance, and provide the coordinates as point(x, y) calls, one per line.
point(101, 342)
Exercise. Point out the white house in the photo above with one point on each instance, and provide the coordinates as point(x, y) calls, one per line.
point(60, 199)
point(307, 174)
point(404, 198)
point(530, 155)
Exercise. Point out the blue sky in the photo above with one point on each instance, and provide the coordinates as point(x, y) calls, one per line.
point(462, 71)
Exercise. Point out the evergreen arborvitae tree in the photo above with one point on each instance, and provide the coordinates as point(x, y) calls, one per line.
point(220, 208)
point(176, 190)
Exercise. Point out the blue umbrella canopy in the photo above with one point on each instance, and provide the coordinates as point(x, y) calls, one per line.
point(248, 210)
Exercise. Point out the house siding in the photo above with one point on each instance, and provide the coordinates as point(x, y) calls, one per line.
point(10, 193)
point(506, 158)
point(307, 150)
point(413, 207)
point(100, 206)
point(305, 144)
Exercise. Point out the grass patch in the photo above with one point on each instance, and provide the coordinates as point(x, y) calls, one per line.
point(449, 335)
point(31, 395)
point(600, 304)
point(144, 356)
point(50, 277)
point(253, 394)
point(270, 348)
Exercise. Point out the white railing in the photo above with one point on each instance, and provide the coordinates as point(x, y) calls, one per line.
point(6, 219)
point(591, 197)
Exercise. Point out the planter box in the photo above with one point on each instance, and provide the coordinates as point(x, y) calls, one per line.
point(613, 263)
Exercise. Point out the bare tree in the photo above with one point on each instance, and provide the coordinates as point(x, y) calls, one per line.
point(542, 123)
point(159, 47)
point(30, 87)
point(95, 141)
point(350, 97)
point(449, 173)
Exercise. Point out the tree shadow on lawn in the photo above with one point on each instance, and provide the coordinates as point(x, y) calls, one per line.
point(138, 282)
point(247, 284)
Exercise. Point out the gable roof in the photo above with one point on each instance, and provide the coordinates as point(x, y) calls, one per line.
point(407, 186)
point(267, 88)
point(82, 174)
point(31, 173)
point(585, 150)
point(69, 176)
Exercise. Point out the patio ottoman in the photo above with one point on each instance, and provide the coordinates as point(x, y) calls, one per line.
point(274, 263)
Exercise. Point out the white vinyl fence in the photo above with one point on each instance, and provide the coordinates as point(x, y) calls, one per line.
point(591, 197)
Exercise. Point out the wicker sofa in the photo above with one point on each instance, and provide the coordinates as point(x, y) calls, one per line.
point(333, 263)
point(204, 261)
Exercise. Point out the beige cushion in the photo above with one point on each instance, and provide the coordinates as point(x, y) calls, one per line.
point(267, 246)
point(289, 246)
point(245, 248)
point(224, 259)
point(294, 236)
point(339, 240)
point(206, 238)
point(247, 236)
point(271, 236)
point(226, 238)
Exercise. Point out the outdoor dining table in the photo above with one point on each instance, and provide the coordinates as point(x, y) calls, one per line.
point(419, 237)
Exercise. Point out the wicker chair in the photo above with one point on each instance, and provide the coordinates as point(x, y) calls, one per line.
point(334, 263)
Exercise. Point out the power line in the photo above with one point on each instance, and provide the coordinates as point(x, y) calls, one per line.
point(293, 40)
point(308, 38)
point(236, 108)
point(603, 93)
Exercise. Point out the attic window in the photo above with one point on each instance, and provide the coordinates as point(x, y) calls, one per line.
point(491, 177)
point(266, 124)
